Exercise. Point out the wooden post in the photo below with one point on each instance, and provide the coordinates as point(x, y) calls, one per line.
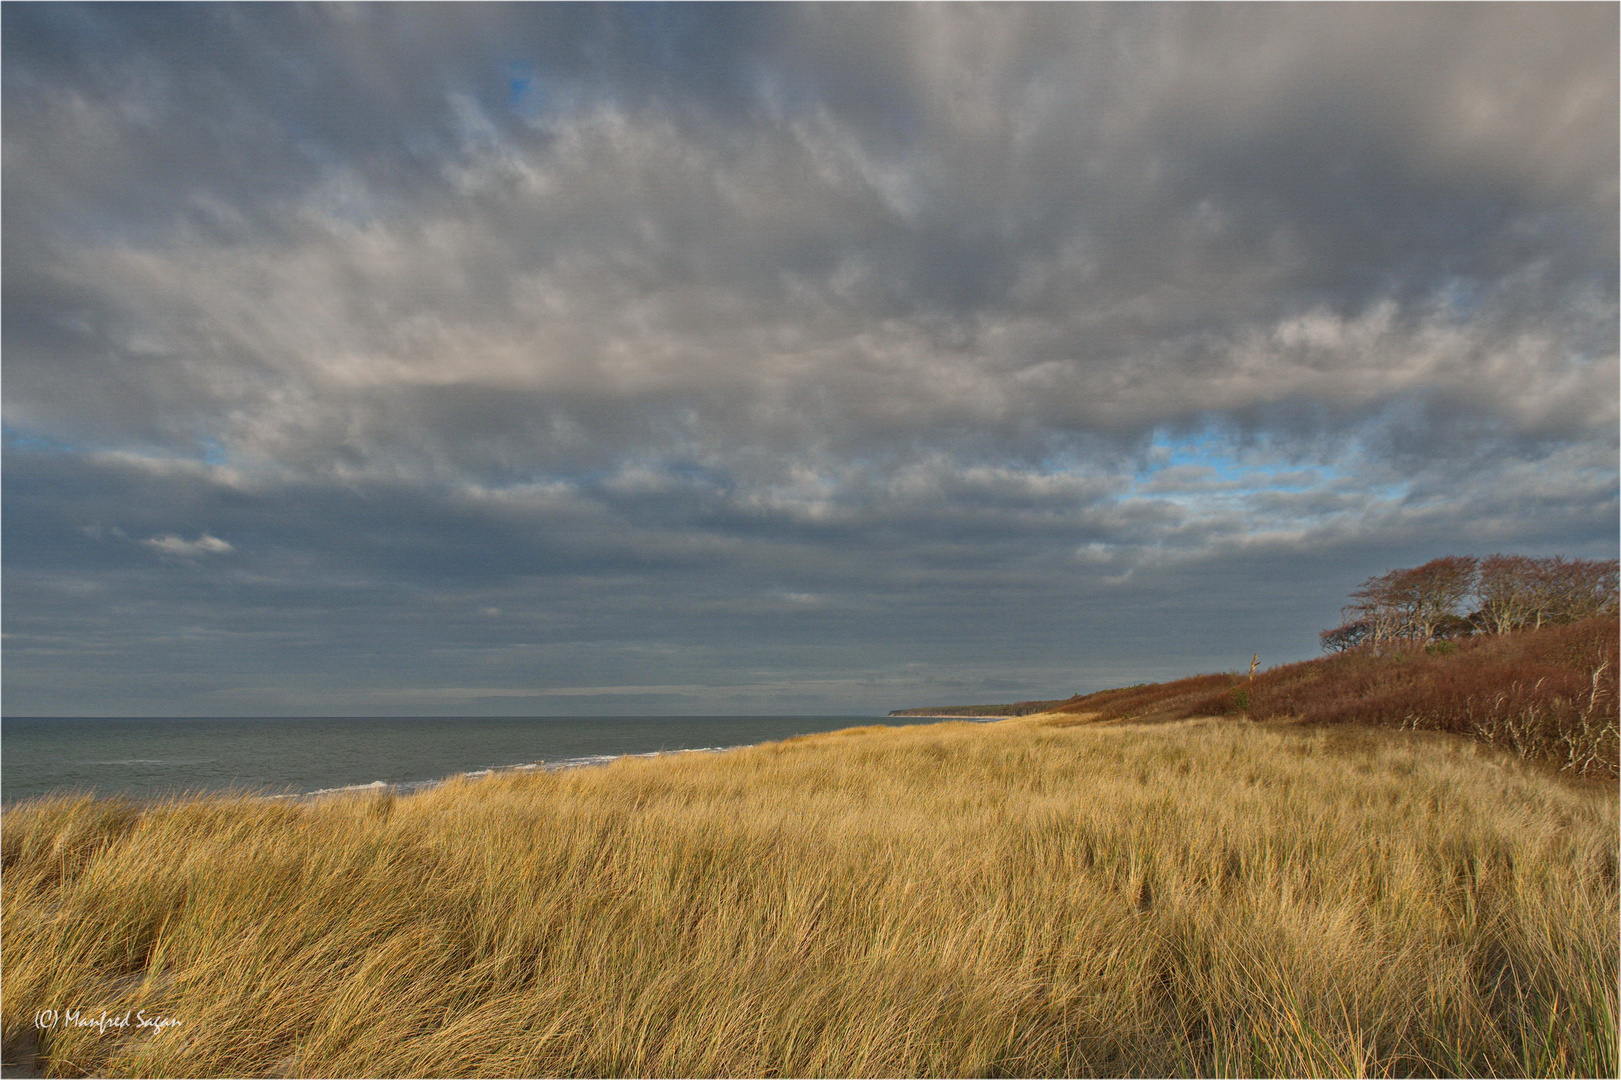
point(1256, 659)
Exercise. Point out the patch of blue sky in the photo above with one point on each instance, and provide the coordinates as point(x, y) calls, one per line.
point(1240, 471)
point(518, 97)
point(538, 99)
point(702, 474)
point(208, 451)
point(213, 452)
point(1391, 492)
point(526, 91)
point(602, 479)
point(1460, 296)
point(20, 439)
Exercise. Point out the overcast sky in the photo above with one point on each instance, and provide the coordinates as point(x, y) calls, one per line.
point(588, 360)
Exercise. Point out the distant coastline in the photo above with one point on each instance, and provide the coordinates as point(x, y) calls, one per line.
point(947, 716)
point(984, 712)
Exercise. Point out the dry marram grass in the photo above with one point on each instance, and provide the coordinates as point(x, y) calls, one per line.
point(1012, 898)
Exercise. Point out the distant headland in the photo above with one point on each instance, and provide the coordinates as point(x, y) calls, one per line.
point(1018, 708)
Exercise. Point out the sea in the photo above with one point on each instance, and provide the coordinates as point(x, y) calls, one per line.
point(155, 757)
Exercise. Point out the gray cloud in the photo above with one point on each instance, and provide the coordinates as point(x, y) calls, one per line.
point(790, 350)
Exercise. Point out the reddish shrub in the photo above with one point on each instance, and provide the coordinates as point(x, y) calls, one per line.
point(1547, 694)
point(1172, 700)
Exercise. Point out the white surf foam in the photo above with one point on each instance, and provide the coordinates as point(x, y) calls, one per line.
point(406, 787)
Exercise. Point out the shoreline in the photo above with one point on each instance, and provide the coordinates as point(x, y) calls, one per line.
point(951, 716)
point(411, 787)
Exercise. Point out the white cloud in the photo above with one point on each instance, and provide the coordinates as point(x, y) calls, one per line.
point(171, 544)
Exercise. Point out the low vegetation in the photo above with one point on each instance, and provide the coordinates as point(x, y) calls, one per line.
point(1547, 695)
point(1018, 898)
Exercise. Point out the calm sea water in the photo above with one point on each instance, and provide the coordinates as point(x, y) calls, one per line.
point(156, 756)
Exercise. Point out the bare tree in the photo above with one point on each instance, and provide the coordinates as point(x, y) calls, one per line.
point(1413, 603)
point(1432, 592)
point(1515, 591)
point(1375, 606)
point(1344, 638)
point(1574, 589)
point(1507, 592)
point(1512, 591)
point(1608, 585)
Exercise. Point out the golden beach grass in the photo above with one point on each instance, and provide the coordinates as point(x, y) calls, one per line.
point(1208, 897)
